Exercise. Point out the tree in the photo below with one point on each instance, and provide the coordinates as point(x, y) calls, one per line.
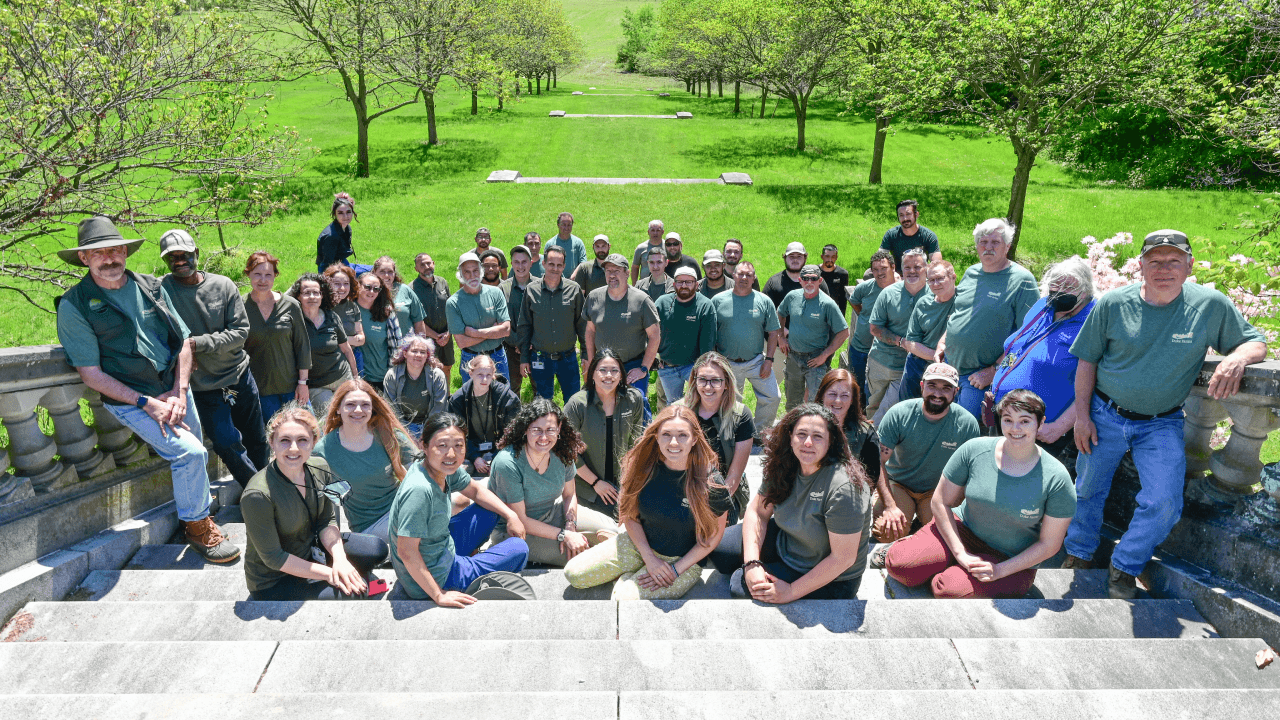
point(790, 48)
point(1030, 69)
point(350, 38)
point(121, 108)
point(639, 29)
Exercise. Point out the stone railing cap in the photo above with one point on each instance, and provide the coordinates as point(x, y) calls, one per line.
point(1259, 379)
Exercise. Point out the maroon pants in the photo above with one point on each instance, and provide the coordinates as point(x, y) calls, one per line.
point(925, 557)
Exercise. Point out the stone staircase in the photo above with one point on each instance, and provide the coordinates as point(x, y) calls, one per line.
point(169, 636)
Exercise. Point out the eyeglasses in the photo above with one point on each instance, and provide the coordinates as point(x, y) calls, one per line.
point(937, 281)
point(609, 372)
point(709, 382)
point(539, 432)
point(672, 243)
point(810, 278)
point(370, 288)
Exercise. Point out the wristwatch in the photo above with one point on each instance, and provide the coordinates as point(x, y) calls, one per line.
point(560, 537)
point(645, 369)
point(142, 402)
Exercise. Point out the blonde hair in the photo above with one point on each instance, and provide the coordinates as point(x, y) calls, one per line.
point(729, 401)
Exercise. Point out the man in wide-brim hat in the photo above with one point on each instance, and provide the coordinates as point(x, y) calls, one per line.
point(121, 334)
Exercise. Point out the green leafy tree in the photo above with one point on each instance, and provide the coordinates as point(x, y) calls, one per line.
point(639, 29)
point(121, 108)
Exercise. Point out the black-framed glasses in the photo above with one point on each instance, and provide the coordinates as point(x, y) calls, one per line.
point(709, 382)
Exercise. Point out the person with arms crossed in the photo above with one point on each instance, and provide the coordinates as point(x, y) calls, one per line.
point(688, 325)
point(812, 331)
point(590, 274)
point(514, 289)
point(928, 322)
point(433, 292)
point(746, 324)
point(478, 319)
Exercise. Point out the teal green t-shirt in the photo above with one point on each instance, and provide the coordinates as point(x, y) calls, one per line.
point(988, 308)
point(373, 484)
point(813, 321)
point(513, 481)
point(921, 448)
point(408, 308)
point(482, 310)
point(376, 355)
point(1148, 357)
point(421, 509)
point(688, 328)
point(929, 320)
point(865, 295)
point(893, 311)
point(1002, 510)
point(743, 323)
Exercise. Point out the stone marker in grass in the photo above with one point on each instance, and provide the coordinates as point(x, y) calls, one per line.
point(684, 116)
point(556, 113)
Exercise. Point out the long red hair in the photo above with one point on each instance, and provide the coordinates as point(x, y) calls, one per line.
point(640, 462)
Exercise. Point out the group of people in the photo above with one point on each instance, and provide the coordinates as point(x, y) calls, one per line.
point(944, 432)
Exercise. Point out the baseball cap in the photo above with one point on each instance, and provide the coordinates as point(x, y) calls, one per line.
point(942, 371)
point(176, 240)
point(468, 257)
point(600, 237)
point(673, 235)
point(1166, 238)
point(483, 231)
point(795, 247)
point(685, 270)
point(810, 271)
point(617, 259)
point(711, 256)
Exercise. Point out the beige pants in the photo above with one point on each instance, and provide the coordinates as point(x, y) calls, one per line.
point(911, 503)
point(882, 389)
point(619, 558)
point(546, 551)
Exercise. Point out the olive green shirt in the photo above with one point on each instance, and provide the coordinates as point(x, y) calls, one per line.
point(277, 345)
point(588, 418)
point(214, 314)
point(279, 521)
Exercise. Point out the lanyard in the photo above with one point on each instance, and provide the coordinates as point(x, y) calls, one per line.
point(1018, 360)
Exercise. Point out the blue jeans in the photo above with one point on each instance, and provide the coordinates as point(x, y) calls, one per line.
point(1161, 459)
point(642, 385)
point(182, 449)
point(912, 374)
point(499, 359)
point(354, 266)
point(970, 398)
point(271, 404)
point(673, 379)
point(470, 529)
point(858, 366)
point(234, 426)
point(565, 369)
point(359, 360)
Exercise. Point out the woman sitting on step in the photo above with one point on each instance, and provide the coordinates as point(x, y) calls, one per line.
point(292, 526)
point(674, 507)
point(434, 555)
point(804, 534)
point(725, 422)
point(487, 405)
point(534, 474)
point(839, 393)
point(368, 447)
point(1012, 503)
point(609, 414)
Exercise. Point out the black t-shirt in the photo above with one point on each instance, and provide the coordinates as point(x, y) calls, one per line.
point(665, 515)
point(745, 429)
point(838, 281)
point(684, 261)
point(779, 285)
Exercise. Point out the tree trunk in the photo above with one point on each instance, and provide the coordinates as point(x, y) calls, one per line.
point(499, 99)
point(877, 153)
point(429, 99)
point(801, 105)
point(719, 84)
point(1018, 194)
point(555, 78)
point(538, 83)
point(764, 95)
point(697, 86)
point(475, 99)
point(362, 140)
point(530, 81)
point(737, 97)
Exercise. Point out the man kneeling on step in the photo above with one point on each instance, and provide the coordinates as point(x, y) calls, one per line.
point(917, 438)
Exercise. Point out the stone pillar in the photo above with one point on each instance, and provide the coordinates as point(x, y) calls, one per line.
point(12, 487)
point(1203, 415)
point(1237, 468)
point(113, 437)
point(77, 444)
point(30, 450)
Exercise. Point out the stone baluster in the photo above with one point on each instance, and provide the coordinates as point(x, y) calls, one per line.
point(30, 450)
point(12, 487)
point(1203, 415)
point(114, 437)
point(77, 444)
point(1237, 467)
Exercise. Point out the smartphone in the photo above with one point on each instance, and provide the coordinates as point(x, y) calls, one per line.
point(377, 587)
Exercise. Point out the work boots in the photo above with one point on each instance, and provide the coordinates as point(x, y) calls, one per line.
point(207, 539)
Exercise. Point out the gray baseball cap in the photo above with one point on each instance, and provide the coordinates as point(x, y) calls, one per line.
point(711, 256)
point(795, 247)
point(176, 240)
point(619, 260)
point(685, 270)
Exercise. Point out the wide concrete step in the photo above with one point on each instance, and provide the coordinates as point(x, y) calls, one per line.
point(582, 620)
point(659, 705)
point(38, 668)
point(767, 665)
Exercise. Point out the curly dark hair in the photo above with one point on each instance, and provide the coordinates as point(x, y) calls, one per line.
point(326, 292)
point(567, 447)
point(781, 466)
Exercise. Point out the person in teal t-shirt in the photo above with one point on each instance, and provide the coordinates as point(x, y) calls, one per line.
point(434, 555)
point(890, 319)
point(862, 299)
point(813, 329)
point(1001, 508)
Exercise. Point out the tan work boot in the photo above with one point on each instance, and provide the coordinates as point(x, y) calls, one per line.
point(1121, 585)
point(207, 539)
point(1074, 563)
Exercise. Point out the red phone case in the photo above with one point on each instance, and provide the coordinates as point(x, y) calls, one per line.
point(377, 587)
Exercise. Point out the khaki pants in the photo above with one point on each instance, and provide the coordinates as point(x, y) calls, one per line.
point(546, 551)
point(911, 503)
point(882, 389)
point(619, 558)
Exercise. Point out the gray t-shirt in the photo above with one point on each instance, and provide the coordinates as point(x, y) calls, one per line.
point(825, 502)
point(1148, 357)
point(621, 324)
point(893, 312)
point(214, 313)
point(813, 321)
point(513, 480)
point(482, 310)
point(988, 308)
point(921, 447)
point(640, 258)
point(743, 324)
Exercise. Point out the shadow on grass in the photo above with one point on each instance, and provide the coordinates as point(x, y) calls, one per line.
point(415, 161)
point(762, 150)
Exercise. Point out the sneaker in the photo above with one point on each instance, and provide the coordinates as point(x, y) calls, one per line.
point(1121, 585)
point(207, 539)
point(879, 554)
point(1074, 563)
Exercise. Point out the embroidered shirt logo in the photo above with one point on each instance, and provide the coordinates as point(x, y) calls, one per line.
point(1182, 338)
point(96, 305)
point(993, 295)
point(1031, 514)
point(950, 444)
point(684, 502)
point(815, 495)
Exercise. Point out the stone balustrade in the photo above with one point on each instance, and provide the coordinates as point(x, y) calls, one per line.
point(1237, 467)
